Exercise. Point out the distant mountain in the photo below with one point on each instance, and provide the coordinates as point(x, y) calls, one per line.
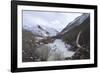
point(41, 30)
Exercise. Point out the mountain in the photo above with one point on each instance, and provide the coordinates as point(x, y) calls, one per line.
point(41, 30)
point(75, 23)
point(77, 34)
point(81, 23)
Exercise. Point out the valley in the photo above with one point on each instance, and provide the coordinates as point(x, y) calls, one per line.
point(41, 43)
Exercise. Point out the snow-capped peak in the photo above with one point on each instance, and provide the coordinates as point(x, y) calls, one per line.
point(41, 30)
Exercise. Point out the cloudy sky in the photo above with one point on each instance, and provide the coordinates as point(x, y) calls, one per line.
point(56, 20)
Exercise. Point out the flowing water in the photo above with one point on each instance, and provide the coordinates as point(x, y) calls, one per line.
point(59, 47)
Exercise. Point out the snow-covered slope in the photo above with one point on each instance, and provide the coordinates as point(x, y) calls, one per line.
point(41, 30)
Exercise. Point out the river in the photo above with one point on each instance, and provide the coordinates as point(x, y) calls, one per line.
point(58, 47)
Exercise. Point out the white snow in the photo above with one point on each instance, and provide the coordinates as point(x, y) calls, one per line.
point(59, 46)
point(42, 32)
point(52, 31)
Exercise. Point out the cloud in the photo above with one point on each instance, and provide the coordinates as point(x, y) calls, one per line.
point(56, 20)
